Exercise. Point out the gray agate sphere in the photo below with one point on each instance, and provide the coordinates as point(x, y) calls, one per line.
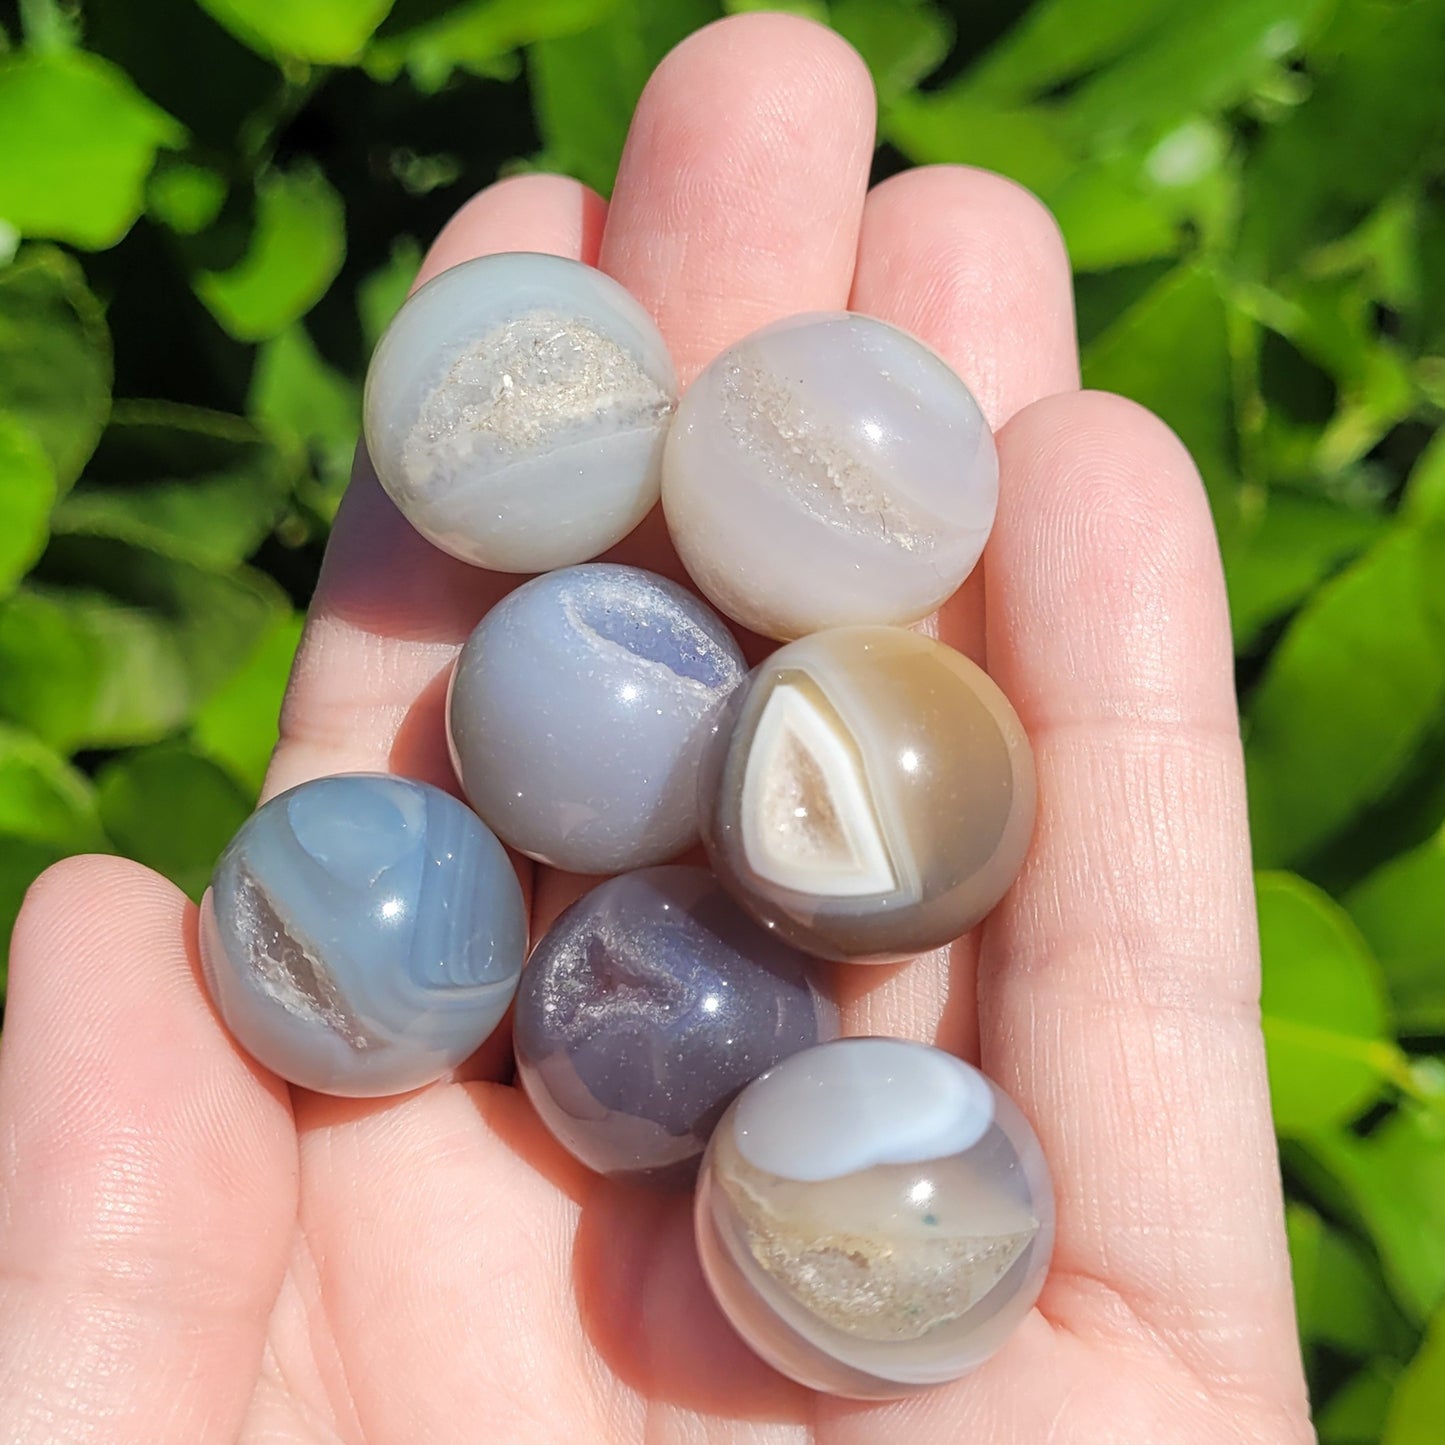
point(362, 934)
point(828, 469)
point(516, 410)
point(645, 1009)
point(875, 1217)
point(578, 713)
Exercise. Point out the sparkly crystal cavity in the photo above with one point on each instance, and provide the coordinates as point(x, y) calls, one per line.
point(578, 713)
point(868, 793)
point(516, 410)
point(644, 1010)
point(826, 470)
point(874, 1217)
point(362, 934)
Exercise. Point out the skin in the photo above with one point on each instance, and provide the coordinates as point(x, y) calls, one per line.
point(191, 1252)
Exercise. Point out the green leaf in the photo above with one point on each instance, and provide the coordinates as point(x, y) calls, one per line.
point(1355, 1413)
point(1418, 1406)
point(171, 809)
point(1340, 1300)
point(902, 42)
point(474, 36)
point(198, 485)
point(185, 197)
point(1029, 144)
point(1348, 696)
point(1170, 352)
point(380, 294)
point(238, 725)
point(27, 493)
point(78, 140)
point(47, 810)
point(1424, 499)
point(1363, 128)
point(1057, 40)
point(55, 366)
point(327, 32)
point(1323, 1006)
point(1392, 1183)
point(584, 86)
point(1205, 59)
point(42, 798)
point(1283, 549)
point(302, 401)
point(1400, 909)
point(109, 645)
point(297, 247)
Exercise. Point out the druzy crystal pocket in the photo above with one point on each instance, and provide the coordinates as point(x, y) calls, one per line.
point(874, 1217)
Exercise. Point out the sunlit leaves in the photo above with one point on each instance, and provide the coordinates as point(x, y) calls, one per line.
point(78, 140)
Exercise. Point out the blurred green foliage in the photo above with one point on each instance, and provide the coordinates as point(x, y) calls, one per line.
point(209, 208)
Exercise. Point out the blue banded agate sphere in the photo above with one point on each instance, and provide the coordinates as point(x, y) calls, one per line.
point(516, 410)
point(578, 713)
point(362, 934)
point(645, 1008)
point(875, 1217)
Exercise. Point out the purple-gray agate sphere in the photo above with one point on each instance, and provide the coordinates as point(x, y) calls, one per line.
point(643, 1011)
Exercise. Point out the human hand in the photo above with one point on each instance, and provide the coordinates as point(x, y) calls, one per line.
point(190, 1251)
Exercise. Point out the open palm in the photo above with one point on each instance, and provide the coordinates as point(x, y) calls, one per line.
point(191, 1252)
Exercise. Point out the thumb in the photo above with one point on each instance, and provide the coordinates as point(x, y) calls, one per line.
point(147, 1175)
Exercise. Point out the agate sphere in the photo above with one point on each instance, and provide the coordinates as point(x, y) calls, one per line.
point(874, 1217)
point(869, 793)
point(643, 1011)
point(579, 709)
point(829, 469)
point(362, 934)
point(516, 410)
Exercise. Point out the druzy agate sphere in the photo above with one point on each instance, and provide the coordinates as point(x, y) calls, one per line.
point(645, 1009)
point(578, 712)
point(362, 934)
point(826, 470)
point(869, 793)
point(516, 410)
point(874, 1217)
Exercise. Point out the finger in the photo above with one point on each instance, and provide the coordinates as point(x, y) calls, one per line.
point(741, 186)
point(148, 1175)
point(391, 611)
point(974, 266)
point(738, 201)
point(1118, 985)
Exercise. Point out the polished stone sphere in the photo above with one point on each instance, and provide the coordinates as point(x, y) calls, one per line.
point(578, 713)
point(874, 1217)
point(644, 1010)
point(826, 470)
point(869, 793)
point(362, 934)
point(516, 410)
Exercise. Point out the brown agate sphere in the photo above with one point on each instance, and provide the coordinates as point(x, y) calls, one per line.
point(868, 793)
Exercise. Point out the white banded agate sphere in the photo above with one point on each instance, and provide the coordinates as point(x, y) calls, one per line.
point(874, 1217)
point(579, 711)
point(516, 410)
point(826, 470)
point(868, 793)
